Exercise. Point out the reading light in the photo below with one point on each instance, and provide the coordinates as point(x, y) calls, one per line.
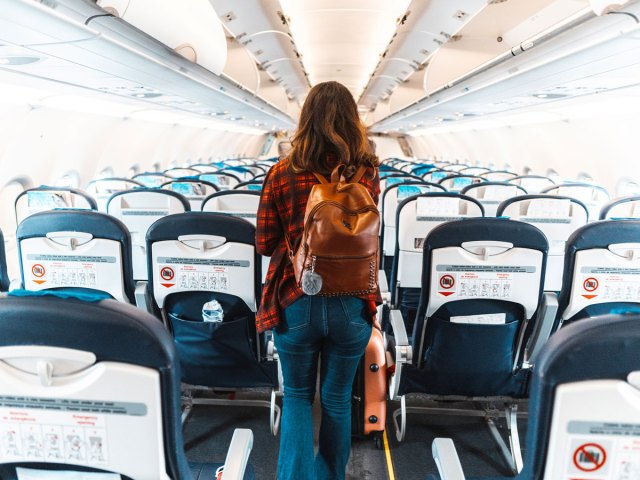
point(19, 60)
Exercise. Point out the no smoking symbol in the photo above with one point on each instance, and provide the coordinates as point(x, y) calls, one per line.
point(167, 273)
point(38, 270)
point(590, 284)
point(589, 457)
point(447, 281)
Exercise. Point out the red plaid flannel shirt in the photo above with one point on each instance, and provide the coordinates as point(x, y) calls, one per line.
point(282, 206)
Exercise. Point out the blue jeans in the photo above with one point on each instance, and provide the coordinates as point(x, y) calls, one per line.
point(337, 330)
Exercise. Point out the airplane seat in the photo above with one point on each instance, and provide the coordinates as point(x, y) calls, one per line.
point(195, 259)
point(386, 169)
point(602, 271)
point(152, 179)
point(195, 191)
point(490, 194)
point(76, 249)
point(498, 175)
point(456, 167)
point(593, 196)
point(256, 169)
point(395, 179)
point(93, 387)
point(243, 172)
point(558, 217)
point(456, 182)
point(584, 406)
point(416, 217)
point(474, 170)
point(239, 203)
point(395, 193)
point(43, 198)
point(222, 180)
point(254, 185)
point(436, 175)
point(102, 188)
point(4, 276)
point(481, 287)
point(205, 167)
point(625, 207)
point(533, 184)
point(422, 168)
point(138, 209)
point(179, 172)
point(407, 167)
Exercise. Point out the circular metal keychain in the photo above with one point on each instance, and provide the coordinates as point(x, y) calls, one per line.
point(311, 282)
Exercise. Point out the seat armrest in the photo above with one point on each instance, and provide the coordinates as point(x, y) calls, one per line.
point(238, 454)
point(403, 351)
point(15, 284)
point(270, 348)
point(140, 295)
point(446, 458)
point(383, 283)
point(543, 327)
point(399, 330)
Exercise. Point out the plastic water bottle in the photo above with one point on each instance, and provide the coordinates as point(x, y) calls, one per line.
point(212, 311)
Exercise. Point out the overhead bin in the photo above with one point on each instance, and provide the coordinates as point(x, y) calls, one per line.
point(195, 31)
point(595, 55)
point(76, 42)
point(497, 29)
point(428, 26)
point(260, 27)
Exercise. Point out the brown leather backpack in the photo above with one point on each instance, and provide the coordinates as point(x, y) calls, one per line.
point(340, 238)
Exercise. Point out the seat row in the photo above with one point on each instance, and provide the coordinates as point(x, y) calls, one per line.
point(482, 316)
point(196, 262)
point(93, 385)
point(139, 208)
point(195, 191)
point(584, 406)
point(92, 397)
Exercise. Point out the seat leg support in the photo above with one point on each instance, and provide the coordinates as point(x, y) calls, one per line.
point(511, 412)
point(511, 453)
point(274, 409)
point(402, 413)
point(187, 406)
point(504, 450)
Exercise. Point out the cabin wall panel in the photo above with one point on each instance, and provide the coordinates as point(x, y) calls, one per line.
point(45, 143)
point(387, 147)
point(602, 147)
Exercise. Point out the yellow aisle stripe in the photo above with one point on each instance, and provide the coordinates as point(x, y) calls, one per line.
point(387, 454)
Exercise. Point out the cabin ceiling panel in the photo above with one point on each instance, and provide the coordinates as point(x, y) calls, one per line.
point(343, 40)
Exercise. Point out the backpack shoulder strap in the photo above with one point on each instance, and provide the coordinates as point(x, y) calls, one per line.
point(359, 174)
point(320, 178)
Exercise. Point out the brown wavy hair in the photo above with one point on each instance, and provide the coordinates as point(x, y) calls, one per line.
point(330, 126)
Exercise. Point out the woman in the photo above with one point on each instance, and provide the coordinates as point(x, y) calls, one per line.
point(335, 330)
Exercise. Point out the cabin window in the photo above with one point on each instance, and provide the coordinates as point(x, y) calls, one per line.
point(627, 187)
point(70, 179)
point(133, 170)
point(106, 172)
